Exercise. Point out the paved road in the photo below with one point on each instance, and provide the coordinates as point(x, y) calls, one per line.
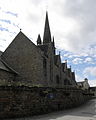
point(84, 112)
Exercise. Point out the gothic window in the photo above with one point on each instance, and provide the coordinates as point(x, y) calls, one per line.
point(45, 66)
point(63, 69)
point(66, 81)
point(57, 79)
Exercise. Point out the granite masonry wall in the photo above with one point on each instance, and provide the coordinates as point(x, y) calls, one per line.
point(25, 101)
point(6, 77)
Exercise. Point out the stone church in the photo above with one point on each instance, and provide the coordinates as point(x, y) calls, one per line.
point(24, 63)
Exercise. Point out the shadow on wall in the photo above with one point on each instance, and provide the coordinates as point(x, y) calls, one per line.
point(86, 110)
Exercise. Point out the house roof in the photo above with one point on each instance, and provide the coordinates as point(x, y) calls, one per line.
point(2, 66)
point(93, 88)
point(80, 82)
point(64, 64)
point(1, 53)
point(69, 69)
point(5, 67)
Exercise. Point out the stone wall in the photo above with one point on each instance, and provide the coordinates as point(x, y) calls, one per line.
point(27, 59)
point(6, 78)
point(25, 101)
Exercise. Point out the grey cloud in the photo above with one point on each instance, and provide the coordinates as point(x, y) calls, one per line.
point(83, 11)
point(78, 8)
point(33, 17)
point(36, 2)
point(90, 70)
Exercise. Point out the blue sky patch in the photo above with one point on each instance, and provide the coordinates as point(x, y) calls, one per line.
point(6, 21)
point(11, 13)
point(4, 29)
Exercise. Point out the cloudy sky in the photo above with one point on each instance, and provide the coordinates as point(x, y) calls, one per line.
point(72, 23)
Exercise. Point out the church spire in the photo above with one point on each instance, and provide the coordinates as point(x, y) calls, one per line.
point(39, 42)
point(53, 41)
point(53, 45)
point(47, 33)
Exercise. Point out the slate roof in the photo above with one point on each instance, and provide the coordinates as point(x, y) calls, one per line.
point(1, 53)
point(64, 65)
point(92, 88)
point(69, 69)
point(2, 66)
point(5, 67)
point(80, 83)
point(73, 74)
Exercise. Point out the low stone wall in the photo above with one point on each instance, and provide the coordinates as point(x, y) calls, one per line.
point(25, 101)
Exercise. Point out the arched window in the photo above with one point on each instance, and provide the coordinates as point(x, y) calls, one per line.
point(57, 79)
point(65, 81)
point(45, 66)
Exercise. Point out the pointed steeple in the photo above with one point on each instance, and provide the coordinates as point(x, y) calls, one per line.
point(39, 42)
point(66, 63)
point(53, 46)
point(53, 42)
point(47, 33)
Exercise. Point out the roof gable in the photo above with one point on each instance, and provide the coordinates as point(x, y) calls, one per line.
point(19, 52)
point(57, 60)
point(18, 40)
